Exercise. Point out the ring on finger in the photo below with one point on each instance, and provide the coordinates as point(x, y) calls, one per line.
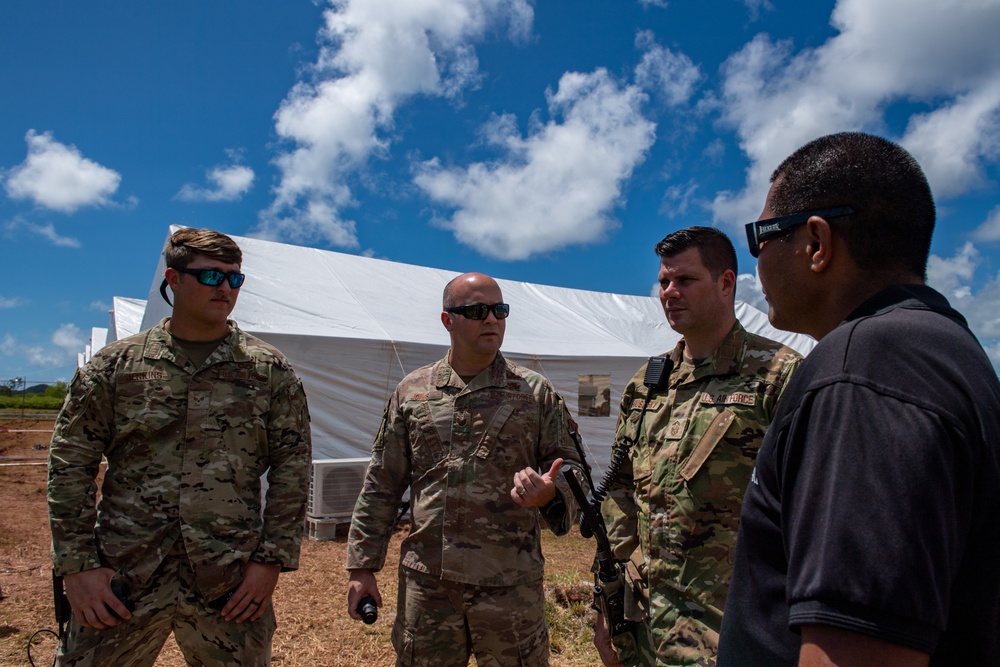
point(522, 491)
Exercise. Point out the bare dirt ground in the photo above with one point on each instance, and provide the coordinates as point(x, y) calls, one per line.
point(313, 627)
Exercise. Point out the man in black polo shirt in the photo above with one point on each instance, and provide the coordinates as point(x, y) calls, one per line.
point(869, 532)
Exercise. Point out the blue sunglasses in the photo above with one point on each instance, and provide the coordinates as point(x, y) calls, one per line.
point(209, 277)
point(213, 277)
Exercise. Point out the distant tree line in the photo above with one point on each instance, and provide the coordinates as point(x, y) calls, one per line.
point(15, 394)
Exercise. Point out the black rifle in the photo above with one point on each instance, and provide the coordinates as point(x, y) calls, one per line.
point(609, 580)
point(63, 610)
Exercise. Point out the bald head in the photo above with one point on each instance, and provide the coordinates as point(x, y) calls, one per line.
point(460, 287)
point(474, 343)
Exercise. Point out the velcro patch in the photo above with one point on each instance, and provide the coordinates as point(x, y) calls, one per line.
point(737, 398)
point(495, 395)
point(246, 376)
point(653, 406)
point(145, 376)
point(675, 430)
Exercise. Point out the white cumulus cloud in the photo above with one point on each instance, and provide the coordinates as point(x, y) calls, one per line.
point(556, 186)
point(951, 275)
point(49, 232)
point(954, 276)
point(990, 229)
point(677, 199)
point(68, 337)
point(11, 302)
point(59, 177)
point(778, 99)
point(375, 55)
point(982, 309)
point(749, 291)
point(228, 183)
point(63, 346)
point(46, 231)
point(953, 142)
point(671, 76)
point(758, 6)
point(38, 356)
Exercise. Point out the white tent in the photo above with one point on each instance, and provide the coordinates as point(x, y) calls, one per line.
point(125, 317)
point(354, 326)
point(98, 339)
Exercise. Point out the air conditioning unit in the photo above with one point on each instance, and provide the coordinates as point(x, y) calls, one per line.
point(336, 485)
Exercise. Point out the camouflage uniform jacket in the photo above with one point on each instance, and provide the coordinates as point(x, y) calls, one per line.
point(678, 498)
point(185, 449)
point(457, 447)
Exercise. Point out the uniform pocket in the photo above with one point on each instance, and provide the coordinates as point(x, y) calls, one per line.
point(257, 640)
point(402, 642)
point(148, 413)
point(238, 419)
point(146, 404)
point(426, 445)
point(706, 444)
point(534, 649)
point(495, 449)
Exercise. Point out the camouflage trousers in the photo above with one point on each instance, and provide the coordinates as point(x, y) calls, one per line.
point(670, 637)
point(170, 603)
point(441, 623)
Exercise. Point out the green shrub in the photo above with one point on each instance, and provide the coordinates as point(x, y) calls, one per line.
point(30, 402)
point(57, 390)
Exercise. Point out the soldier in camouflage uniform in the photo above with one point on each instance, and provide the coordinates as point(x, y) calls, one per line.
point(480, 441)
point(188, 415)
point(674, 509)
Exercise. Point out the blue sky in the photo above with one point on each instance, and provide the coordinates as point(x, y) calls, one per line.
point(550, 142)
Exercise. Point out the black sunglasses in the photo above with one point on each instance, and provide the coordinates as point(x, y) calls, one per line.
point(765, 230)
point(480, 311)
point(213, 277)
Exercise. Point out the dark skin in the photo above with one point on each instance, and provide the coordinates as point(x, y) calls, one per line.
point(824, 646)
point(825, 286)
point(828, 284)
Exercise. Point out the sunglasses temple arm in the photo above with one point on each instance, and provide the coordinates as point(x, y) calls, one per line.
point(163, 292)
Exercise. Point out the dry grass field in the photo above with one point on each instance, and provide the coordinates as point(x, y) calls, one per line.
point(313, 627)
